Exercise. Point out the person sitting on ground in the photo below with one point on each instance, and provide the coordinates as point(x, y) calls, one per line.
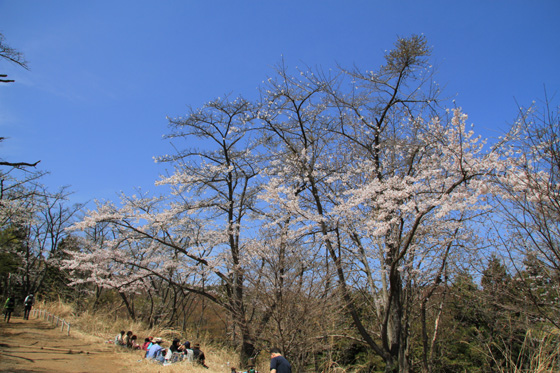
point(133, 344)
point(170, 350)
point(119, 339)
point(151, 343)
point(198, 356)
point(174, 352)
point(9, 307)
point(251, 364)
point(126, 339)
point(187, 350)
point(147, 343)
point(156, 352)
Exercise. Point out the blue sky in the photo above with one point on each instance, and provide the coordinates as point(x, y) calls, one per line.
point(105, 74)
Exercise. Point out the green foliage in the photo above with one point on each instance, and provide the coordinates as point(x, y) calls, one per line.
point(495, 278)
point(11, 248)
point(458, 348)
point(8, 263)
point(539, 286)
point(486, 328)
point(56, 282)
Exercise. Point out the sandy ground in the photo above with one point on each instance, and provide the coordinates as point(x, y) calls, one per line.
point(35, 345)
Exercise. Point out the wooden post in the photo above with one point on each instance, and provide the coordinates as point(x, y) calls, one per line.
point(50, 317)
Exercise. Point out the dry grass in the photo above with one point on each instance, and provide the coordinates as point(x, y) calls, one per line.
point(135, 360)
point(217, 359)
point(540, 352)
point(102, 328)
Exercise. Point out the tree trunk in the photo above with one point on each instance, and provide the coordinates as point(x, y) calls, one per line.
point(129, 306)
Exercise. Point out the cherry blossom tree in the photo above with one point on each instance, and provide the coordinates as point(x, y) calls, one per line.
point(366, 163)
point(348, 188)
point(192, 239)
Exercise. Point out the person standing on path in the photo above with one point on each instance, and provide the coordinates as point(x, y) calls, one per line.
point(28, 304)
point(278, 363)
point(9, 308)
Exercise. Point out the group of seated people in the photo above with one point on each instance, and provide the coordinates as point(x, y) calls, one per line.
point(175, 353)
point(127, 340)
point(153, 346)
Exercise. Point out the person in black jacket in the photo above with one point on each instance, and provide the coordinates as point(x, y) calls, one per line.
point(278, 363)
point(199, 356)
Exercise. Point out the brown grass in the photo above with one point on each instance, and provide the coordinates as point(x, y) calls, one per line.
point(102, 328)
point(540, 352)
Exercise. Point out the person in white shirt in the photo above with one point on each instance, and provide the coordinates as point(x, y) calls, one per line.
point(119, 339)
point(28, 304)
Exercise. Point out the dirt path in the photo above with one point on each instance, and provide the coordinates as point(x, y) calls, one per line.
point(34, 345)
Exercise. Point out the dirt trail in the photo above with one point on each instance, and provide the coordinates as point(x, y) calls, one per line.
point(35, 345)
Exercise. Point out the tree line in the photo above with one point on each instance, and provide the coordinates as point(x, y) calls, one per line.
point(346, 216)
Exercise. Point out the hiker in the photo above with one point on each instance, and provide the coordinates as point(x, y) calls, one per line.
point(28, 304)
point(9, 308)
point(119, 339)
point(278, 363)
point(156, 352)
point(198, 356)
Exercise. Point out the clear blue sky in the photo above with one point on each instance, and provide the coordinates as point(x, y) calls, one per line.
point(105, 74)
